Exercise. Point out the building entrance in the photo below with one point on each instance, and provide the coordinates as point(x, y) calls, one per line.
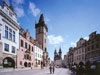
point(8, 62)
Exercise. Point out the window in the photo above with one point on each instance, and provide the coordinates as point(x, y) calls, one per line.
point(92, 47)
point(25, 57)
point(30, 58)
point(88, 48)
point(21, 43)
point(29, 47)
point(13, 49)
point(45, 40)
point(0, 36)
point(25, 45)
point(97, 45)
point(10, 14)
point(6, 32)
point(13, 36)
point(20, 62)
point(32, 48)
point(10, 34)
point(6, 47)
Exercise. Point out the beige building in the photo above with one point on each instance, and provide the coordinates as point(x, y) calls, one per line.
point(92, 47)
point(70, 57)
point(79, 52)
point(67, 59)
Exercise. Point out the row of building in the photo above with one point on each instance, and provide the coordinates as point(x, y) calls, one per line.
point(17, 47)
point(85, 51)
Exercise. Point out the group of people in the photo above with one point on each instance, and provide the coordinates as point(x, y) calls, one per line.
point(85, 70)
point(52, 69)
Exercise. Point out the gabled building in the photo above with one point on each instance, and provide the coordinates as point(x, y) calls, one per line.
point(9, 36)
point(26, 53)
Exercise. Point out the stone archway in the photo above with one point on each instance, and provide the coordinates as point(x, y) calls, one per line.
point(25, 64)
point(29, 64)
point(8, 62)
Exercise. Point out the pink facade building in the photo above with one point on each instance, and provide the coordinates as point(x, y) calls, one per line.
point(26, 50)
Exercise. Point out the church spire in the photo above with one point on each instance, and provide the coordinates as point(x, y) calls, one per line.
point(55, 52)
point(60, 50)
point(41, 18)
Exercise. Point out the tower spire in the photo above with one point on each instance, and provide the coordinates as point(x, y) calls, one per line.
point(41, 18)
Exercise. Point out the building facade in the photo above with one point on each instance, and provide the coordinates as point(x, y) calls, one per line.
point(70, 57)
point(86, 50)
point(25, 56)
point(92, 47)
point(38, 55)
point(41, 31)
point(9, 36)
point(67, 59)
point(79, 52)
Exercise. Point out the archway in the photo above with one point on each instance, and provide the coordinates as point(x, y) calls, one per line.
point(25, 64)
point(8, 62)
point(29, 65)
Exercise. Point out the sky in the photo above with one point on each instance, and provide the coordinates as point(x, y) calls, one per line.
point(67, 20)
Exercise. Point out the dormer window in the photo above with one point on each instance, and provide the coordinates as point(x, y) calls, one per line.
point(10, 14)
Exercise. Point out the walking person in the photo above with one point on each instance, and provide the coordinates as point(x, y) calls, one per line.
point(50, 69)
point(53, 69)
point(41, 65)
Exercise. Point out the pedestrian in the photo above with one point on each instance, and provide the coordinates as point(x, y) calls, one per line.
point(53, 69)
point(41, 65)
point(50, 69)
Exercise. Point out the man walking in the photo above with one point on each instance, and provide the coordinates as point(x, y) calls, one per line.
point(53, 69)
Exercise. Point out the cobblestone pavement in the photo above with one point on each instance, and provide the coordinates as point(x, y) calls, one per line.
point(35, 71)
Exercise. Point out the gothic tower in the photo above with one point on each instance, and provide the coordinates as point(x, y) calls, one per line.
point(60, 53)
point(55, 54)
point(41, 32)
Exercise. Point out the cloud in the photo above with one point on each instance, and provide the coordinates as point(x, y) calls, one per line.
point(18, 1)
point(17, 4)
point(19, 12)
point(35, 11)
point(47, 19)
point(55, 39)
point(87, 38)
point(73, 44)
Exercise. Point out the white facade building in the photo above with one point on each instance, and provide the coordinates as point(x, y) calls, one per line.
point(38, 55)
point(9, 36)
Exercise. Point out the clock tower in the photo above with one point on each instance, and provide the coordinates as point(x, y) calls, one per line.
point(41, 37)
point(41, 32)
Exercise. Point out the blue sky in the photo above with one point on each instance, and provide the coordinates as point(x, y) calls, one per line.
point(67, 20)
